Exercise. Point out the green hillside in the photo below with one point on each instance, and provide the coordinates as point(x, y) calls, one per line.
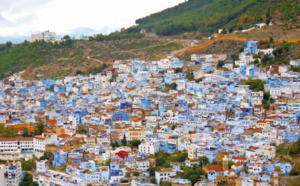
point(207, 16)
point(56, 60)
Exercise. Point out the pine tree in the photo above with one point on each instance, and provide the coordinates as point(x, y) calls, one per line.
point(124, 141)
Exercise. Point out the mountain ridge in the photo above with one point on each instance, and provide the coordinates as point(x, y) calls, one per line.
point(206, 16)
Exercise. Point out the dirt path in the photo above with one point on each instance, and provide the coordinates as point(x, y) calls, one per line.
point(232, 38)
point(89, 57)
point(179, 51)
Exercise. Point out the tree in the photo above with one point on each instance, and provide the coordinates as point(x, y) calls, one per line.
point(178, 70)
point(28, 165)
point(25, 132)
point(153, 180)
point(182, 157)
point(244, 19)
point(203, 160)
point(134, 143)
point(51, 88)
point(67, 40)
point(27, 180)
point(114, 144)
point(78, 72)
point(220, 64)
point(199, 79)
point(8, 45)
point(40, 128)
point(104, 66)
point(25, 43)
point(255, 84)
point(174, 86)
point(296, 69)
point(230, 164)
point(127, 175)
point(124, 141)
point(7, 131)
point(190, 75)
point(44, 157)
point(151, 171)
point(251, 20)
point(174, 127)
point(161, 72)
point(256, 62)
point(81, 130)
point(67, 37)
point(136, 173)
point(264, 17)
point(193, 173)
point(266, 96)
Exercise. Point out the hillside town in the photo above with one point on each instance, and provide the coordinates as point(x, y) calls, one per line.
point(210, 120)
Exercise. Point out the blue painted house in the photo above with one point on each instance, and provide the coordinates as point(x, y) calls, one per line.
point(120, 116)
point(124, 105)
point(145, 103)
point(43, 103)
point(60, 158)
point(251, 47)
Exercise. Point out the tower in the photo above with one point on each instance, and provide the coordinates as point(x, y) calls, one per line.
point(225, 163)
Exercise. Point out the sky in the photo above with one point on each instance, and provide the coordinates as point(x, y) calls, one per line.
point(20, 18)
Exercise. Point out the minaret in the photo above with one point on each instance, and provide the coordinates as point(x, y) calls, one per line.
point(225, 163)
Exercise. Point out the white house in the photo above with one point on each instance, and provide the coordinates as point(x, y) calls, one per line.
point(295, 63)
point(148, 148)
point(11, 173)
point(244, 59)
point(41, 166)
point(142, 165)
point(164, 174)
point(180, 84)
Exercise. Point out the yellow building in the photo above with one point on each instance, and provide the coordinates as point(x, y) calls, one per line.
point(135, 133)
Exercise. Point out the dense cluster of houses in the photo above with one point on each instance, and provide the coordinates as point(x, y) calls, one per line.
point(217, 115)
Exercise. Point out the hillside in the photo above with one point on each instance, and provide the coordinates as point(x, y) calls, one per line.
point(74, 56)
point(206, 16)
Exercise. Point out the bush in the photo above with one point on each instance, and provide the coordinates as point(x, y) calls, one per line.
point(136, 174)
point(28, 165)
point(178, 70)
point(153, 180)
point(255, 84)
point(134, 143)
point(174, 86)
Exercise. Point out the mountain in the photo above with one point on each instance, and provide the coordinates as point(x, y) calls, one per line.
point(207, 16)
point(18, 39)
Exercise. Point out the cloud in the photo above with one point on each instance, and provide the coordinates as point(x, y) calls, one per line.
point(24, 17)
point(20, 12)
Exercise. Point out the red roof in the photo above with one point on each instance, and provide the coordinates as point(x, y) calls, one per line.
point(122, 154)
point(17, 139)
point(239, 164)
point(64, 136)
point(39, 137)
point(215, 167)
point(239, 158)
